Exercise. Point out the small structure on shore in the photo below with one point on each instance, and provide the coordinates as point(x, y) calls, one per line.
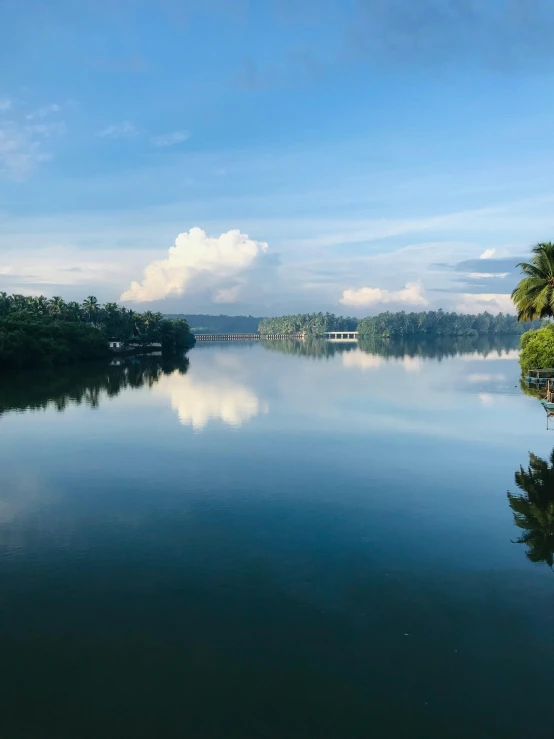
point(115, 343)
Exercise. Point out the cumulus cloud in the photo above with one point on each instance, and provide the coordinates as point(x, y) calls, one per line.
point(487, 254)
point(198, 262)
point(411, 294)
point(169, 139)
point(124, 130)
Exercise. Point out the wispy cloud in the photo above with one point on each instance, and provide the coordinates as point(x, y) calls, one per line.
point(487, 254)
point(21, 145)
point(487, 275)
point(19, 152)
point(170, 139)
point(43, 112)
point(124, 130)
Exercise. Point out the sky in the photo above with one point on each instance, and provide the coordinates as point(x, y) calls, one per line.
point(275, 156)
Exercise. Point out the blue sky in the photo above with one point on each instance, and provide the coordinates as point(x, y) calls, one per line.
point(351, 156)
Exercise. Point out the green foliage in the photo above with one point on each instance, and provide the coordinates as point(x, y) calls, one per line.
point(537, 349)
point(534, 510)
point(534, 296)
point(27, 341)
point(309, 323)
point(439, 323)
point(39, 331)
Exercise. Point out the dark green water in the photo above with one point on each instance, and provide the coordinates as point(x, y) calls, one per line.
point(274, 542)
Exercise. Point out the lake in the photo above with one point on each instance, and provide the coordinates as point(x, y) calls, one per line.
point(274, 540)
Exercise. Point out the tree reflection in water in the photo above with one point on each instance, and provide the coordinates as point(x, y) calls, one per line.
point(436, 347)
point(84, 383)
point(534, 508)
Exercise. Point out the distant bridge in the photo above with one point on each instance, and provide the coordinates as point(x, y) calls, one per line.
point(341, 335)
point(335, 336)
point(247, 337)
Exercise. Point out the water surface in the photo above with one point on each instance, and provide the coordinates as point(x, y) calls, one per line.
point(289, 540)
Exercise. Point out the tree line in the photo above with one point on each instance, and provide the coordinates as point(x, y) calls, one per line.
point(399, 325)
point(40, 330)
point(441, 323)
point(309, 323)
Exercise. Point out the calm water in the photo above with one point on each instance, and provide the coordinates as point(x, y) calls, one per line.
point(292, 541)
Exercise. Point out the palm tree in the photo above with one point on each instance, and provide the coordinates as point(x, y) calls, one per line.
point(56, 305)
point(90, 306)
point(534, 510)
point(73, 311)
point(534, 296)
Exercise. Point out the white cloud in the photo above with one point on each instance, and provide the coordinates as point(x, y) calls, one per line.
point(169, 139)
point(124, 130)
point(482, 275)
point(487, 254)
point(198, 262)
point(411, 294)
point(43, 112)
point(480, 302)
point(63, 267)
point(20, 144)
point(198, 401)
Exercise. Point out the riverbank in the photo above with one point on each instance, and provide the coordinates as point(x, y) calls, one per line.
point(36, 332)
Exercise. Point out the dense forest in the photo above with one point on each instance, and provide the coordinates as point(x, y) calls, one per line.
point(203, 324)
point(428, 323)
point(440, 323)
point(309, 323)
point(38, 330)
